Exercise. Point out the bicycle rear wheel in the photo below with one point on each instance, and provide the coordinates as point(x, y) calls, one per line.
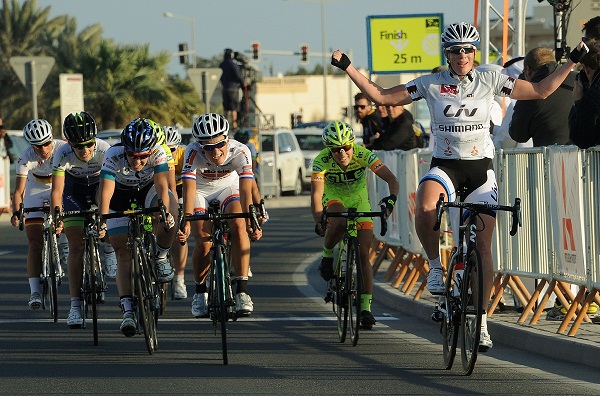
point(222, 305)
point(340, 301)
point(472, 300)
point(54, 277)
point(449, 327)
point(142, 292)
point(354, 288)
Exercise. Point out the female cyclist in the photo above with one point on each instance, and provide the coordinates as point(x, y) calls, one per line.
point(75, 180)
point(459, 101)
point(136, 170)
point(34, 177)
point(339, 182)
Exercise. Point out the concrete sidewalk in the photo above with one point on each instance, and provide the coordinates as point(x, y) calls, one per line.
point(541, 338)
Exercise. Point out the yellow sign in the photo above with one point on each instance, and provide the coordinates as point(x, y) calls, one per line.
point(404, 43)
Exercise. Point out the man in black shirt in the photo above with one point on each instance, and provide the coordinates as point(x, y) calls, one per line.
point(231, 81)
point(368, 117)
point(398, 132)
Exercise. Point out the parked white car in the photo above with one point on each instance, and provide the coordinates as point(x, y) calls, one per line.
point(281, 163)
point(311, 144)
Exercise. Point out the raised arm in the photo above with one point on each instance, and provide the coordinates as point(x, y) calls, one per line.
point(397, 95)
point(525, 90)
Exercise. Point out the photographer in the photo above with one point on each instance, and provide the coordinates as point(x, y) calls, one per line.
point(231, 80)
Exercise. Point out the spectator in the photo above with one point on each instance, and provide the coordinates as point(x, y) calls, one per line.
point(584, 119)
point(231, 81)
point(398, 132)
point(368, 117)
point(543, 120)
point(5, 143)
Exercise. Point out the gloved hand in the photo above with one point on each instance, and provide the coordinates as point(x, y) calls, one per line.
point(343, 63)
point(389, 202)
point(578, 52)
point(319, 229)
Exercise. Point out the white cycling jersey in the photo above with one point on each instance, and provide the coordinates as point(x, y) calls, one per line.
point(460, 110)
point(116, 167)
point(31, 165)
point(198, 167)
point(67, 162)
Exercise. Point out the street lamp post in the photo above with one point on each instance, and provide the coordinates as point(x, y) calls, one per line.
point(191, 21)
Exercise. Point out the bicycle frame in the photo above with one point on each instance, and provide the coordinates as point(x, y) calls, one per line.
point(145, 285)
point(93, 285)
point(221, 301)
point(51, 274)
point(345, 289)
point(462, 304)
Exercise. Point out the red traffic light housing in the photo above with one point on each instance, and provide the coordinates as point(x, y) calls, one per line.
point(255, 51)
point(303, 54)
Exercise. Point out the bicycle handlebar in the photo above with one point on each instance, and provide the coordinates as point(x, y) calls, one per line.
point(352, 213)
point(211, 215)
point(478, 207)
point(23, 210)
point(139, 211)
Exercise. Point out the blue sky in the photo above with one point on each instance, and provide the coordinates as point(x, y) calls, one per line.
point(278, 24)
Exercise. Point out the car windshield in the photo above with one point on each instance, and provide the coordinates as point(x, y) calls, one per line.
point(310, 142)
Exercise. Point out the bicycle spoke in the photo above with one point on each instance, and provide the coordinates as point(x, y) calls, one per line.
point(472, 309)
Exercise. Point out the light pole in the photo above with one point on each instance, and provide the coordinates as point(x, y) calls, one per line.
point(191, 21)
point(324, 60)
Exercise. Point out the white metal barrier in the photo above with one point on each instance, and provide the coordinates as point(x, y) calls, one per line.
point(559, 194)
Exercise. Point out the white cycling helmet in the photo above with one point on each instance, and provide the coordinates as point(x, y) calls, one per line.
point(460, 33)
point(172, 136)
point(209, 126)
point(38, 132)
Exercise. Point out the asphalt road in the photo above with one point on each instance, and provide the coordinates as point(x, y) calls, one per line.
point(288, 346)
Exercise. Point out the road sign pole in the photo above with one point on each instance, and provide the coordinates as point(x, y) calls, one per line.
point(205, 92)
point(34, 90)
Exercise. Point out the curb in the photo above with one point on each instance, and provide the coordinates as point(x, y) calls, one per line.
point(554, 346)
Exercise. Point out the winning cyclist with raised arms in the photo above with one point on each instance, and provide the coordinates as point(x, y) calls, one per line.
point(459, 101)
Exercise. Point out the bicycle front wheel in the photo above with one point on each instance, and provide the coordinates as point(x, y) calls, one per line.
point(222, 306)
point(93, 268)
point(449, 327)
point(472, 301)
point(143, 297)
point(340, 300)
point(354, 288)
point(54, 277)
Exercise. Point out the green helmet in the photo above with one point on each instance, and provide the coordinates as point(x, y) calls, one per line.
point(337, 133)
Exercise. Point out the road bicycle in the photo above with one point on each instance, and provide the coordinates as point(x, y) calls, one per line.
point(52, 272)
point(346, 287)
point(221, 302)
point(93, 285)
point(144, 277)
point(461, 306)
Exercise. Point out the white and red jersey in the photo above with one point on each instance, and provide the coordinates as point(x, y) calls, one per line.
point(198, 167)
point(32, 166)
point(460, 110)
point(67, 162)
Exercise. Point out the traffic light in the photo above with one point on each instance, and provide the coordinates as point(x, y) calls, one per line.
point(255, 51)
point(303, 54)
point(183, 58)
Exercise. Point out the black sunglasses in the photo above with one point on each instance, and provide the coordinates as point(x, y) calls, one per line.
point(42, 145)
point(81, 146)
point(356, 107)
point(457, 49)
point(211, 147)
point(338, 149)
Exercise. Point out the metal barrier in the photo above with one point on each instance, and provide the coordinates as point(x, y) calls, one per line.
point(558, 187)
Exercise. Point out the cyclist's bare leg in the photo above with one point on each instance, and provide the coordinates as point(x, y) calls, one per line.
point(75, 259)
point(428, 194)
point(179, 253)
point(119, 243)
point(201, 255)
point(240, 243)
point(364, 239)
point(34, 255)
point(336, 226)
point(484, 245)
